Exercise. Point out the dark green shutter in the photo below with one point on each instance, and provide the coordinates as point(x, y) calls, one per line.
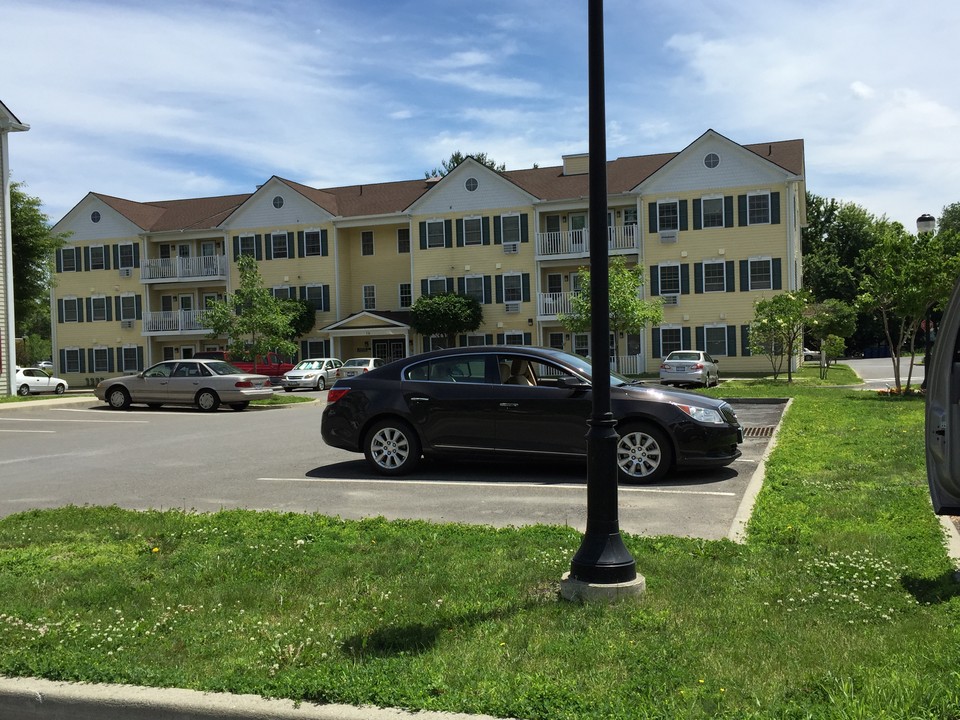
point(742, 210)
point(136, 255)
point(698, 278)
point(655, 342)
point(301, 244)
point(732, 340)
point(60, 259)
point(448, 233)
point(423, 287)
point(258, 247)
point(324, 245)
point(80, 310)
point(745, 340)
point(685, 338)
point(525, 286)
point(290, 245)
point(236, 247)
point(528, 338)
point(268, 250)
point(728, 211)
point(776, 270)
point(697, 214)
point(744, 275)
point(501, 338)
point(499, 289)
point(60, 311)
point(487, 290)
point(138, 305)
point(701, 338)
point(652, 213)
point(86, 259)
point(106, 258)
point(731, 276)
point(685, 278)
point(450, 284)
point(325, 293)
point(459, 232)
point(461, 285)
point(774, 208)
point(524, 230)
point(683, 214)
point(654, 280)
point(497, 230)
point(485, 229)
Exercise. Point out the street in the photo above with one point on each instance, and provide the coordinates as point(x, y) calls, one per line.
point(273, 459)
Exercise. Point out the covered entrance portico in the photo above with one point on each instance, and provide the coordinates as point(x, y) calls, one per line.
point(382, 334)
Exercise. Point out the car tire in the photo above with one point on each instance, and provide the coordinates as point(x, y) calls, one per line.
point(61, 389)
point(240, 406)
point(644, 454)
point(118, 398)
point(208, 400)
point(321, 383)
point(286, 389)
point(392, 447)
point(23, 390)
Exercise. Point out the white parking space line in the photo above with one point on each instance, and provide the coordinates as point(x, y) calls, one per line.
point(506, 484)
point(26, 431)
point(59, 420)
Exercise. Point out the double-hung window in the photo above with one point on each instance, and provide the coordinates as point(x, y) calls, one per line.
point(670, 279)
point(366, 242)
point(313, 294)
point(129, 358)
point(512, 288)
point(758, 209)
point(282, 292)
point(98, 308)
point(278, 242)
point(406, 295)
point(714, 277)
point(510, 228)
point(101, 360)
point(369, 297)
point(128, 307)
point(715, 339)
point(312, 244)
point(436, 285)
point(711, 210)
point(473, 287)
point(671, 338)
point(435, 234)
point(668, 215)
point(472, 231)
point(96, 257)
point(125, 255)
point(71, 360)
point(403, 240)
point(248, 245)
point(68, 260)
point(761, 274)
point(70, 312)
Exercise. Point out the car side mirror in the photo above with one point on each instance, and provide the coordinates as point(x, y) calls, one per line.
point(571, 382)
point(942, 417)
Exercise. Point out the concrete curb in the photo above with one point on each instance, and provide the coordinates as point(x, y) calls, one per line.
point(739, 525)
point(34, 699)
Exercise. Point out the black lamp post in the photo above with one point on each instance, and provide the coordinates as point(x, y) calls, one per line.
point(926, 223)
point(602, 558)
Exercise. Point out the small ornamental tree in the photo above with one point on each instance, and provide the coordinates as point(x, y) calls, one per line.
point(777, 329)
point(629, 313)
point(831, 317)
point(832, 346)
point(252, 319)
point(446, 315)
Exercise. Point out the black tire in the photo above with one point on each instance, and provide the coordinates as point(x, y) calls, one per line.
point(240, 406)
point(118, 398)
point(644, 454)
point(61, 389)
point(321, 383)
point(286, 389)
point(207, 400)
point(392, 447)
point(23, 390)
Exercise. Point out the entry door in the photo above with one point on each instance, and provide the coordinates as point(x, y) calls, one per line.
point(186, 313)
point(389, 350)
point(578, 224)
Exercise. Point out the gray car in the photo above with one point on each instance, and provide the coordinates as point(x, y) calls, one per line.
point(205, 384)
point(312, 374)
point(689, 367)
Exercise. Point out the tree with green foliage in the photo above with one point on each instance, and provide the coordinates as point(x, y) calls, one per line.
point(458, 157)
point(831, 317)
point(777, 329)
point(252, 319)
point(950, 218)
point(446, 315)
point(903, 277)
point(831, 347)
point(303, 317)
point(34, 248)
point(629, 313)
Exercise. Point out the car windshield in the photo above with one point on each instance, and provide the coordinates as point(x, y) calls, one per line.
point(583, 365)
point(683, 356)
point(219, 367)
point(308, 365)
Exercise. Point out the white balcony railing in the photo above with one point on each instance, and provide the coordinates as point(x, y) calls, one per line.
point(577, 242)
point(174, 321)
point(549, 305)
point(184, 268)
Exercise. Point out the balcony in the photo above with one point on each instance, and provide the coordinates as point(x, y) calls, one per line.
point(210, 267)
point(174, 322)
point(549, 305)
point(576, 243)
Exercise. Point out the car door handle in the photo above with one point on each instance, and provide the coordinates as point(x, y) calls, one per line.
point(509, 404)
point(419, 399)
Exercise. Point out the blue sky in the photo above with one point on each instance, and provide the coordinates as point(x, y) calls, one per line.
point(174, 99)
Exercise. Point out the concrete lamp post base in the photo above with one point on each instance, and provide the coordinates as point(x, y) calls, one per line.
point(580, 591)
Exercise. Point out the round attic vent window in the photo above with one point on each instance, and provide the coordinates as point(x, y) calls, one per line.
point(711, 160)
point(95, 216)
point(471, 184)
point(278, 202)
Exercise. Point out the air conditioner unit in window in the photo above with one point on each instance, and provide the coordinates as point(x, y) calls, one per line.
point(668, 236)
point(126, 323)
point(510, 248)
point(126, 272)
point(513, 306)
point(671, 299)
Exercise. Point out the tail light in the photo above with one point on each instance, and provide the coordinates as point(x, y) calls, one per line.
point(243, 384)
point(335, 394)
point(698, 366)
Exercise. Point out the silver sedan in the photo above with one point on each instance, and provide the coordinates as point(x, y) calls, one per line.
point(689, 367)
point(205, 384)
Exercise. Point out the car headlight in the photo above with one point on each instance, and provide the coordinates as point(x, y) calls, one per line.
point(702, 414)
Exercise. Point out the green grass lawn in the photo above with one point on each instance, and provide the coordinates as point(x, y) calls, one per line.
point(841, 604)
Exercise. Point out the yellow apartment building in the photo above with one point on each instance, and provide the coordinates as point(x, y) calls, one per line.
point(715, 226)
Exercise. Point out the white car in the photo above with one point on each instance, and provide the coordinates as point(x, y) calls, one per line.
point(34, 380)
point(689, 367)
point(358, 366)
point(312, 374)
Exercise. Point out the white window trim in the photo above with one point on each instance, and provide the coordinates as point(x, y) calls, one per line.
point(287, 288)
point(273, 244)
point(479, 220)
point(103, 257)
point(306, 246)
point(400, 296)
point(252, 239)
point(519, 287)
point(757, 193)
point(670, 326)
point(443, 233)
point(120, 263)
point(668, 201)
point(66, 357)
point(133, 308)
point(373, 245)
point(703, 275)
point(723, 212)
point(483, 296)
point(676, 265)
point(123, 356)
point(503, 231)
point(105, 352)
point(93, 300)
point(750, 262)
point(433, 279)
point(372, 296)
point(716, 326)
point(76, 309)
point(72, 252)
